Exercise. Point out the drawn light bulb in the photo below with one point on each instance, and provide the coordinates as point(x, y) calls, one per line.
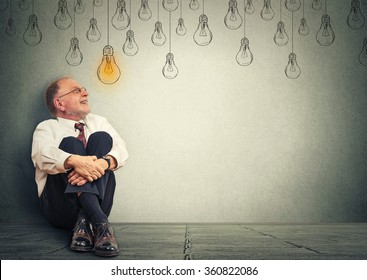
point(3, 5)
point(170, 70)
point(108, 71)
point(293, 5)
point(355, 18)
point(181, 29)
point(98, 3)
point(23, 5)
point(281, 38)
point(158, 37)
point(32, 36)
point(233, 19)
point(79, 7)
point(249, 8)
point(267, 12)
point(74, 56)
point(130, 47)
point(325, 36)
point(244, 57)
point(363, 55)
point(203, 36)
point(303, 28)
point(194, 5)
point(120, 19)
point(63, 19)
point(144, 12)
point(10, 28)
point(93, 33)
point(316, 5)
point(170, 5)
point(292, 70)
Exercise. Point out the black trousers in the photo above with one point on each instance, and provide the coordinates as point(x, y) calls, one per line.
point(59, 200)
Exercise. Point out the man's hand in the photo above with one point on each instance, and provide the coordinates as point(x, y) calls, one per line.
point(86, 168)
point(76, 179)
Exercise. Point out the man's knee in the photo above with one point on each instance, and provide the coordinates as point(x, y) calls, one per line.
point(101, 136)
point(99, 143)
point(72, 145)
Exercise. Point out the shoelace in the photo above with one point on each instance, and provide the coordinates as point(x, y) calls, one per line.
point(81, 226)
point(103, 231)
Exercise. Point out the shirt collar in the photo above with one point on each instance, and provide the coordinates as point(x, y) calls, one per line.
point(69, 124)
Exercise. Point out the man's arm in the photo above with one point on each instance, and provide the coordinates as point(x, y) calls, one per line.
point(85, 168)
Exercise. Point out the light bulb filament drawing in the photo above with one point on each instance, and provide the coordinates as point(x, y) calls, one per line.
point(108, 71)
point(233, 19)
point(355, 19)
point(62, 18)
point(203, 36)
point(325, 36)
point(32, 36)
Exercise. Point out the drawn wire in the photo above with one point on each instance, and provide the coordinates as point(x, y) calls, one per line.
point(180, 8)
point(158, 8)
point(280, 2)
point(10, 7)
point(74, 17)
point(108, 22)
point(130, 14)
point(93, 9)
point(203, 7)
point(33, 7)
point(169, 31)
point(292, 31)
point(244, 18)
point(303, 3)
point(325, 6)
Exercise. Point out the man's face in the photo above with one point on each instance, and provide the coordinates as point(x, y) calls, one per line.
point(72, 100)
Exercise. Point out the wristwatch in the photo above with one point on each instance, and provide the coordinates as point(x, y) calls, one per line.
point(108, 161)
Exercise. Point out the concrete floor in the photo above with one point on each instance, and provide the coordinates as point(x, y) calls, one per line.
point(196, 241)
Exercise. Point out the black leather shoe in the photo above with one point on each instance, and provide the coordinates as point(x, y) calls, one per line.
point(82, 239)
point(105, 244)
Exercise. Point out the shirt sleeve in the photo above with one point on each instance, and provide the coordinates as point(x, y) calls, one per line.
point(46, 155)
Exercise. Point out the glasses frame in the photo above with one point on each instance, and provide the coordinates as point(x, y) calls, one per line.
point(75, 90)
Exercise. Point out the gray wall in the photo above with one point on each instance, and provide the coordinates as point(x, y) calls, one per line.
point(220, 142)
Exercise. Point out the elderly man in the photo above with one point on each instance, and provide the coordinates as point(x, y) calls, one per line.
point(75, 155)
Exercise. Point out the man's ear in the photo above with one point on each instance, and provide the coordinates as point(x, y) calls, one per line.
point(59, 104)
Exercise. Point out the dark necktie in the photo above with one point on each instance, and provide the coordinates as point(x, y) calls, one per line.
point(81, 136)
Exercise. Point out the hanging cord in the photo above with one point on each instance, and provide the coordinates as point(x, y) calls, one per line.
point(74, 18)
point(244, 18)
point(280, 2)
point(33, 7)
point(11, 1)
point(93, 9)
point(326, 7)
point(292, 31)
point(203, 7)
point(131, 21)
point(108, 22)
point(158, 8)
point(169, 31)
point(180, 8)
point(303, 7)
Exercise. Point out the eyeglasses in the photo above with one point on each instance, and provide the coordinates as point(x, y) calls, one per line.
point(76, 91)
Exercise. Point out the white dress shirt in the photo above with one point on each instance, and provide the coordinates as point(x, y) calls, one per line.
point(49, 159)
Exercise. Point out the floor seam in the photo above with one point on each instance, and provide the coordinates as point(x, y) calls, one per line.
point(285, 241)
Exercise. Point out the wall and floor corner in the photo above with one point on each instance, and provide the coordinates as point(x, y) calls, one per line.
point(220, 142)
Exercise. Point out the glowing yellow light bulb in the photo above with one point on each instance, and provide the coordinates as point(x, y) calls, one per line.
point(108, 72)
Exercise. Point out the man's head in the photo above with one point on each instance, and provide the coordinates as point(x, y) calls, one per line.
point(65, 98)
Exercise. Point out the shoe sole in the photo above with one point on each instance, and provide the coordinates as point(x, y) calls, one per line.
point(106, 254)
point(81, 249)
